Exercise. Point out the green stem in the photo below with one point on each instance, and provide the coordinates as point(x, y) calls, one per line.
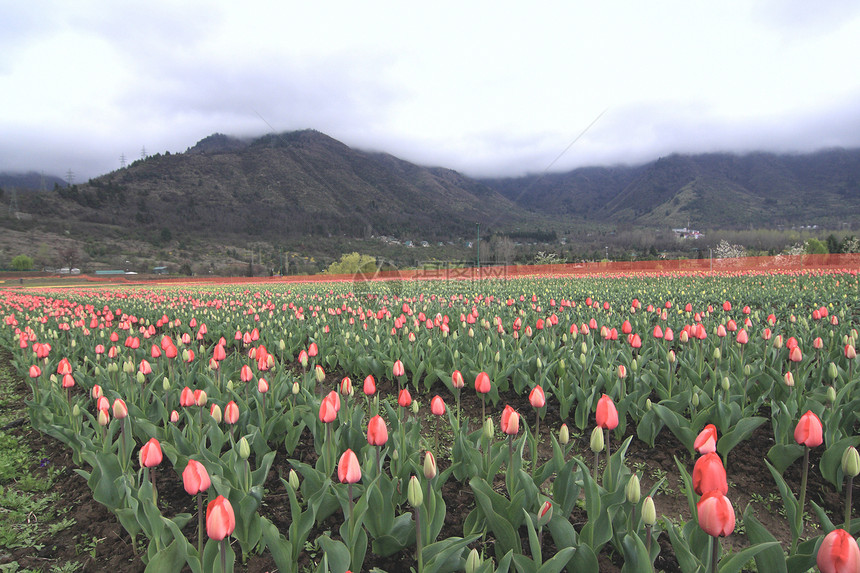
point(223, 556)
point(200, 525)
point(608, 458)
point(418, 547)
point(715, 553)
point(847, 526)
point(596, 461)
point(802, 501)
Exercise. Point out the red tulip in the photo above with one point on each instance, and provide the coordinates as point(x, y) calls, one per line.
point(219, 353)
point(742, 336)
point(795, 355)
point(658, 332)
point(457, 379)
point(231, 412)
point(144, 367)
point(482, 383)
point(35, 371)
point(838, 553)
point(328, 413)
point(404, 398)
point(195, 478)
point(377, 431)
point(537, 398)
point(245, 374)
point(398, 369)
point(510, 423)
point(220, 519)
point(348, 469)
point(710, 474)
point(64, 367)
point(369, 385)
point(200, 398)
point(155, 352)
point(303, 359)
point(68, 381)
point(346, 386)
point(706, 441)
point(716, 514)
point(312, 349)
point(150, 453)
point(262, 386)
point(809, 431)
point(437, 406)
point(607, 414)
point(850, 352)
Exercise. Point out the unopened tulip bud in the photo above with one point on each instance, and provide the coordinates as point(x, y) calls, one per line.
point(141, 378)
point(215, 412)
point(671, 357)
point(395, 455)
point(726, 384)
point(633, 490)
point(649, 512)
point(429, 465)
point(831, 394)
point(414, 494)
point(582, 359)
point(544, 514)
point(488, 428)
point(294, 480)
point(583, 348)
point(473, 561)
point(104, 418)
point(717, 353)
point(320, 374)
point(76, 411)
point(230, 385)
point(648, 404)
point(694, 400)
point(851, 462)
point(634, 365)
point(563, 435)
point(832, 371)
point(244, 448)
point(296, 388)
point(747, 369)
point(174, 416)
point(597, 443)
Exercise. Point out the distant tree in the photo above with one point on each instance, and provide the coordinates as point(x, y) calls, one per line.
point(726, 250)
point(351, 264)
point(851, 245)
point(833, 244)
point(68, 255)
point(22, 263)
point(816, 247)
point(185, 269)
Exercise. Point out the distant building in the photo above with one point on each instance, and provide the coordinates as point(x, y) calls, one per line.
point(686, 233)
point(160, 270)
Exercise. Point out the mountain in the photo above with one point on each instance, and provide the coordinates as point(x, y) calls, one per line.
point(30, 181)
point(294, 184)
point(711, 191)
point(306, 197)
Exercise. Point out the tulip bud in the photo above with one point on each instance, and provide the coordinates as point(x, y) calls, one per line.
point(634, 365)
point(832, 371)
point(244, 448)
point(633, 491)
point(488, 428)
point(230, 385)
point(76, 411)
point(544, 514)
point(831, 394)
point(473, 561)
point(747, 370)
point(851, 462)
point(597, 443)
point(563, 435)
point(671, 356)
point(414, 494)
point(174, 416)
point(717, 353)
point(320, 374)
point(649, 512)
point(215, 412)
point(726, 384)
point(694, 400)
point(395, 455)
point(104, 418)
point(294, 480)
point(296, 388)
point(429, 465)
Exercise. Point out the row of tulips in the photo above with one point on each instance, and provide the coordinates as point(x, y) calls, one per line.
point(196, 413)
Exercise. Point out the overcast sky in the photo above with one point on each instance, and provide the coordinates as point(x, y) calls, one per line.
point(484, 87)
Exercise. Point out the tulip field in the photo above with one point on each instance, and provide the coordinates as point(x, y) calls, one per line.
point(687, 422)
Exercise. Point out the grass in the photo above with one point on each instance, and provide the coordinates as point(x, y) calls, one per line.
point(30, 515)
